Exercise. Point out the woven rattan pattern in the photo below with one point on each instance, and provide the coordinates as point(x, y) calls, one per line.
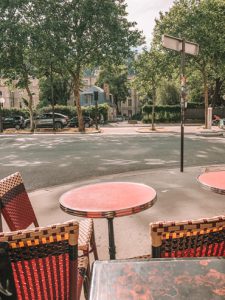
point(39, 235)
point(19, 214)
point(16, 207)
point(85, 232)
point(203, 237)
point(8, 182)
point(40, 261)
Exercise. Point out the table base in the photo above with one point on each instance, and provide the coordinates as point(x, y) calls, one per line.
point(112, 246)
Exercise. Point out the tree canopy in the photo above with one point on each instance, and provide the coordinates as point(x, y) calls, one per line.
point(86, 33)
point(195, 21)
point(117, 79)
point(198, 21)
point(68, 35)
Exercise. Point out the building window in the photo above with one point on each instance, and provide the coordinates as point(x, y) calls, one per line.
point(129, 102)
point(12, 99)
point(85, 82)
point(88, 99)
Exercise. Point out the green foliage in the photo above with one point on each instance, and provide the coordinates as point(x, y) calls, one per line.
point(148, 66)
point(71, 111)
point(12, 112)
point(117, 79)
point(62, 36)
point(197, 21)
point(85, 33)
point(102, 110)
point(195, 87)
point(166, 113)
point(167, 93)
point(61, 90)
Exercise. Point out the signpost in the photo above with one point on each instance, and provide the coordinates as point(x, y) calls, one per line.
point(183, 47)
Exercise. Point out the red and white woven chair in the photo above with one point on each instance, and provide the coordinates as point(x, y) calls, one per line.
point(18, 212)
point(194, 238)
point(42, 263)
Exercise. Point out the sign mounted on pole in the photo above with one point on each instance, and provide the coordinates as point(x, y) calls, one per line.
point(182, 46)
point(175, 43)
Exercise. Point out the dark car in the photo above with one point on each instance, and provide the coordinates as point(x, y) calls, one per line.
point(46, 121)
point(88, 122)
point(16, 122)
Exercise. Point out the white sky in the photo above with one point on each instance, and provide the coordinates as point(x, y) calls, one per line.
point(144, 13)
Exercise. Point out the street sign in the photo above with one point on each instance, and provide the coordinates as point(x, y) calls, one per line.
point(182, 46)
point(175, 43)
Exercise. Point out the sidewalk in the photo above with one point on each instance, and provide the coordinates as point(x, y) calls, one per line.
point(170, 128)
point(188, 129)
point(124, 127)
point(180, 197)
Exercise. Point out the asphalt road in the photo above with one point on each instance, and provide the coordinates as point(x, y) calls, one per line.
point(48, 160)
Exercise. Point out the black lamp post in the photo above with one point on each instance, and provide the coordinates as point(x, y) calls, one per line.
point(2, 101)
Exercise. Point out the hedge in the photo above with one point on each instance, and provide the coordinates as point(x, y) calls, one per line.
point(165, 113)
point(69, 111)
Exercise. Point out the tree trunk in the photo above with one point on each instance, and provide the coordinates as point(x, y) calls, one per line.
point(117, 105)
point(30, 106)
point(76, 92)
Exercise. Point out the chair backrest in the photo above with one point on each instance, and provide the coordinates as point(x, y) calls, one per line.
point(44, 261)
point(196, 238)
point(15, 203)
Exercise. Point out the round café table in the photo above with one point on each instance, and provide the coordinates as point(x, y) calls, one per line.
point(108, 200)
point(213, 180)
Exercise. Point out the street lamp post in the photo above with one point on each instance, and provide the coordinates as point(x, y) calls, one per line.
point(183, 47)
point(2, 101)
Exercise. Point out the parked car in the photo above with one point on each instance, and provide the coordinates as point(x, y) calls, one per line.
point(88, 122)
point(46, 121)
point(16, 122)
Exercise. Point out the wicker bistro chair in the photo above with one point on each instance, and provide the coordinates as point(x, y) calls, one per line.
point(196, 238)
point(19, 214)
point(45, 263)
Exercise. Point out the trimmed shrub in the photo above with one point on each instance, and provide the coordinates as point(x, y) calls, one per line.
point(69, 111)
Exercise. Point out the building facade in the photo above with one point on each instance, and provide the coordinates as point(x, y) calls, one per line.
point(94, 95)
point(14, 97)
point(131, 106)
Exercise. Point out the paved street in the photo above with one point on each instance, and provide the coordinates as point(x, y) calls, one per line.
point(48, 160)
point(53, 164)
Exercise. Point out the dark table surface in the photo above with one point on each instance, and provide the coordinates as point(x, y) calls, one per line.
point(194, 279)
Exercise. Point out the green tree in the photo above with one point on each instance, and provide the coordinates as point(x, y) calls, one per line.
point(61, 90)
point(85, 33)
point(117, 79)
point(167, 93)
point(148, 68)
point(16, 55)
point(197, 21)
